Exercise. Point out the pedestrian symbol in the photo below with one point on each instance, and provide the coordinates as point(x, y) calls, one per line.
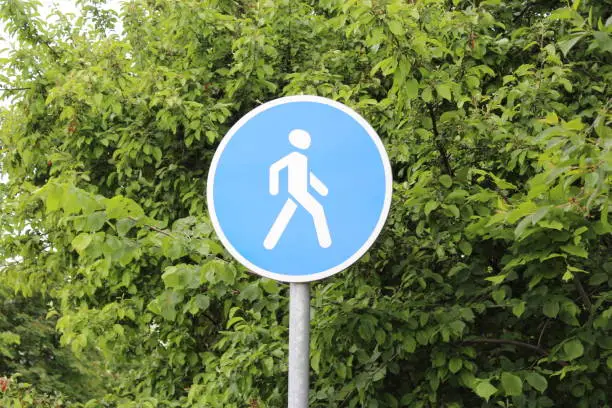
point(299, 188)
point(298, 180)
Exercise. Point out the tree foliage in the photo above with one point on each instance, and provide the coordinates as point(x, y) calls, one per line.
point(489, 286)
point(30, 348)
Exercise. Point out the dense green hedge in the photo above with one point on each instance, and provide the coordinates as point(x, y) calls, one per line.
point(489, 286)
point(30, 349)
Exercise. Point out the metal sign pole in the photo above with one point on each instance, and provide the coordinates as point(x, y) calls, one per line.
point(299, 344)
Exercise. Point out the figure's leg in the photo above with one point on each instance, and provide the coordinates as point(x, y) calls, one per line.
point(280, 224)
point(315, 209)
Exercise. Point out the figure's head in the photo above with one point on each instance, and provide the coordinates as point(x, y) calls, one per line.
point(299, 138)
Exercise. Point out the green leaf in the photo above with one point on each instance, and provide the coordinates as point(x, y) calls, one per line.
point(234, 320)
point(409, 344)
point(524, 209)
point(122, 207)
point(499, 295)
point(525, 69)
point(172, 247)
point(465, 247)
point(453, 209)
point(518, 309)
point(430, 206)
point(411, 88)
point(202, 301)
point(564, 13)
point(182, 276)
point(573, 349)
point(315, 359)
point(396, 28)
point(270, 286)
point(426, 95)
point(382, 65)
point(54, 197)
point(575, 250)
point(157, 153)
point(167, 302)
point(380, 337)
point(226, 274)
point(539, 214)
point(439, 359)
point(609, 362)
point(387, 66)
point(455, 364)
point(379, 374)
point(580, 231)
point(603, 41)
point(124, 226)
point(95, 221)
point(556, 225)
point(566, 45)
point(551, 308)
point(522, 226)
point(484, 389)
point(268, 366)
point(497, 279)
point(81, 241)
point(512, 384)
point(444, 91)
point(251, 292)
point(551, 119)
point(536, 381)
point(172, 277)
point(217, 270)
point(446, 180)
point(458, 326)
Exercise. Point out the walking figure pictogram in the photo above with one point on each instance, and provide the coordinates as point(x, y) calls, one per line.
point(299, 178)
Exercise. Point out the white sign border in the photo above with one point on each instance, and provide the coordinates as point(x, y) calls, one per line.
point(375, 232)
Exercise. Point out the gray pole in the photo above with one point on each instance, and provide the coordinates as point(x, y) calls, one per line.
point(299, 344)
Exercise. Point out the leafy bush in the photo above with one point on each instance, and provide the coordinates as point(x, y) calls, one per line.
point(30, 348)
point(490, 285)
point(16, 394)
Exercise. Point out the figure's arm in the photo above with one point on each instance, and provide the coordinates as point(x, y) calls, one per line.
point(274, 170)
point(318, 185)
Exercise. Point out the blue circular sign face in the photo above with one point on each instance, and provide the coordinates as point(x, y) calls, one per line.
point(299, 188)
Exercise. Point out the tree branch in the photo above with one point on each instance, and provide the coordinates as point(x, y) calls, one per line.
point(522, 13)
point(543, 330)
point(512, 342)
point(14, 89)
point(213, 321)
point(583, 294)
point(52, 50)
point(153, 228)
point(439, 144)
